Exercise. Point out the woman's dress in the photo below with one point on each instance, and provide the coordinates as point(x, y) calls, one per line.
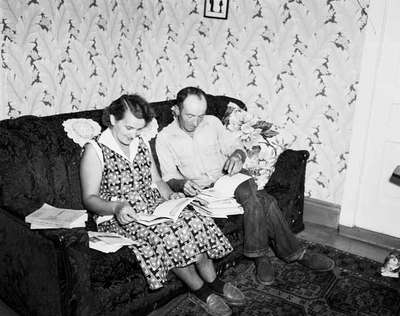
point(161, 247)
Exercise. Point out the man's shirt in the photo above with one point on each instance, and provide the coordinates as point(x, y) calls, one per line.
point(199, 157)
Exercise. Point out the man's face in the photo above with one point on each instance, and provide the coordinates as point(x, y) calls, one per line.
point(192, 113)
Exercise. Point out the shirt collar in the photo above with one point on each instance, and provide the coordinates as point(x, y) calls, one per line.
point(107, 138)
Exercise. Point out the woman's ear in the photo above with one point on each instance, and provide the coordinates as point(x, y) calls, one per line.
point(175, 111)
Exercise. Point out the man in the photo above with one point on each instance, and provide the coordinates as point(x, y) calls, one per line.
point(195, 150)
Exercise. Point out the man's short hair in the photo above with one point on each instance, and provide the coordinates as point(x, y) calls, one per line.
point(185, 92)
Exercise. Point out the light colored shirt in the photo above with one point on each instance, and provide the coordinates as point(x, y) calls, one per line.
point(199, 157)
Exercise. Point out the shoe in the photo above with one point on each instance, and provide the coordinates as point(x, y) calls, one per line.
point(215, 306)
point(233, 296)
point(317, 262)
point(264, 271)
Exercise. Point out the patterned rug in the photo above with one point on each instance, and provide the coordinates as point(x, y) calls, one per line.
point(354, 287)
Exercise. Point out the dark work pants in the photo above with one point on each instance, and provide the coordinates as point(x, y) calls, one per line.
point(265, 225)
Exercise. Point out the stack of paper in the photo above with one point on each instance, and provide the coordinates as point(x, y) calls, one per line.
point(108, 242)
point(211, 203)
point(48, 217)
point(219, 201)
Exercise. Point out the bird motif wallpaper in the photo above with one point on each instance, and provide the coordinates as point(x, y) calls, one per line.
point(294, 61)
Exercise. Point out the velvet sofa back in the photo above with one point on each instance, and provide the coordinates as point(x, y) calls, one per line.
point(40, 163)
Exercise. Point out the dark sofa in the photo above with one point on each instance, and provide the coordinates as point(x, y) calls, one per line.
point(53, 272)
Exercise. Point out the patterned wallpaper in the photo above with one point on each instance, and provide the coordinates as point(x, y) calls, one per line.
point(295, 61)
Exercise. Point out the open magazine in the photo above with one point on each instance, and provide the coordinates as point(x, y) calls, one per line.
point(166, 211)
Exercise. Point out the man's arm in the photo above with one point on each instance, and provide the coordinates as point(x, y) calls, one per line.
point(169, 170)
point(232, 148)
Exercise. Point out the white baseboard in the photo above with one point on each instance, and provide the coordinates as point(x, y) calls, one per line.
point(370, 237)
point(327, 214)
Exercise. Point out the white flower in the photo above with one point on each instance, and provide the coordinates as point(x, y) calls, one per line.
point(81, 130)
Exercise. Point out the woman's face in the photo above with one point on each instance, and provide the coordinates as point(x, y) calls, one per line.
point(126, 129)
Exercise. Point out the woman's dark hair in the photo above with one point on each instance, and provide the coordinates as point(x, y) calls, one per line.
point(185, 92)
point(138, 106)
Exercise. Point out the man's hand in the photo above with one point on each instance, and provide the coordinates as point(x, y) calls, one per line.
point(176, 195)
point(124, 213)
point(190, 188)
point(233, 164)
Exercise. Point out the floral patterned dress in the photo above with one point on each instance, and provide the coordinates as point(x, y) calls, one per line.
point(158, 248)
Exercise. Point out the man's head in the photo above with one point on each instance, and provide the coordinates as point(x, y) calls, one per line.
point(192, 106)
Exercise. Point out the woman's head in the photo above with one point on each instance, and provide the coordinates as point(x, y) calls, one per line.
point(126, 116)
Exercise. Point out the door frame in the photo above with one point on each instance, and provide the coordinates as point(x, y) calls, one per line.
point(370, 61)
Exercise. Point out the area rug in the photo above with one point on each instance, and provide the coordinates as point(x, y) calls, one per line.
point(354, 287)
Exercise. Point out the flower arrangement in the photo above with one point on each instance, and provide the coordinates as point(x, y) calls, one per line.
point(249, 128)
point(254, 134)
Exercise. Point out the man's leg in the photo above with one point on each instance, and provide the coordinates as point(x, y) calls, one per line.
point(256, 230)
point(264, 224)
point(284, 242)
point(255, 220)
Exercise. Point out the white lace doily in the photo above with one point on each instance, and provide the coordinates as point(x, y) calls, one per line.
point(81, 130)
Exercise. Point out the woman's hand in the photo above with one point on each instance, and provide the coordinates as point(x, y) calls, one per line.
point(124, 213)
point(176, 195)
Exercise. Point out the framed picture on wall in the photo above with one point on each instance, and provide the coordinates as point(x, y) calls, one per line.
point(217, 9)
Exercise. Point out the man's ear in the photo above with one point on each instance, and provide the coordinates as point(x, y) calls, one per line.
point(175, 110)
point(112, 119)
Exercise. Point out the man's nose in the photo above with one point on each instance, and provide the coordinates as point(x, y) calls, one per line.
point(197, 121)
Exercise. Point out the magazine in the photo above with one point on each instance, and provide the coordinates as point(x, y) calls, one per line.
point(108, 242)
point(166, 211)
point(48, 217)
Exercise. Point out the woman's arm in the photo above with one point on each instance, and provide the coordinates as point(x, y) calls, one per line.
point(90, 173)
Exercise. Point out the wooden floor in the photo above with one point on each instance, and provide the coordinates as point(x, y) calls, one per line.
point(315, 233)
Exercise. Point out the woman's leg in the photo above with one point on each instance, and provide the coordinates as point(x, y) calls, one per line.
point(231, 293)
point(206, 268)
point(190, 276)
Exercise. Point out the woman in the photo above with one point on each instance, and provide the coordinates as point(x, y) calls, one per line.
point(119, 178)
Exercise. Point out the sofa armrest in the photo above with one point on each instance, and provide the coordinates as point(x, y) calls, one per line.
point(286, 184)
point(27, 261)
point(38, 267)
